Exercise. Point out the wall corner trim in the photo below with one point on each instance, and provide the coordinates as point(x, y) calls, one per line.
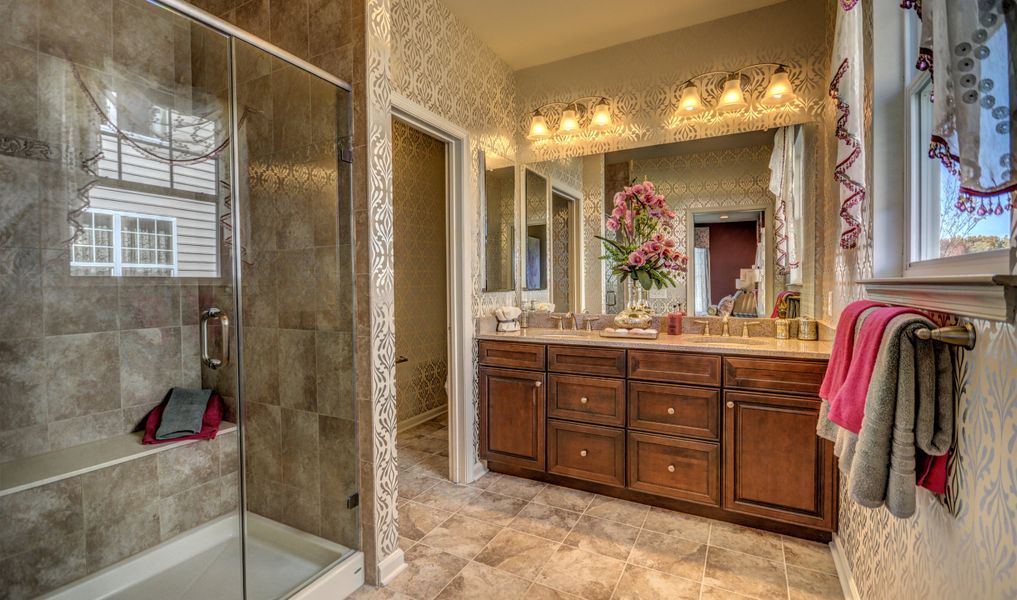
point(391, 566)
point(847, 580)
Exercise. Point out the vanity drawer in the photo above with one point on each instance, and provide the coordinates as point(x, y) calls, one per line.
point(675, 409)
point(795, 376)
point(674, 367)
point(673, 467)
point(586, 452)
point(605, 362)
point(511, 354)
point(587, 399)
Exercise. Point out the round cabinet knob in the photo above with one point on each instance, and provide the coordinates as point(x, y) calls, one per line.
point(538, 383)
point(730, 404)
point(584, 400)
point(670, 468)
point(582, 453)
point(670, 411)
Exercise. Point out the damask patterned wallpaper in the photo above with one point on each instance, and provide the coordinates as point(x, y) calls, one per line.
point(642, 79)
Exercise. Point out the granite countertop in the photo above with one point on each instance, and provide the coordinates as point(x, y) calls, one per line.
point(760, 346)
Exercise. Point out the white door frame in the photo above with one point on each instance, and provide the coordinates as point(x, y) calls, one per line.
point(576, 280)
point(459, 227)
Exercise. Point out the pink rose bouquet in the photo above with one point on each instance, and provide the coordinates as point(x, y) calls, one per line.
point(641, 251)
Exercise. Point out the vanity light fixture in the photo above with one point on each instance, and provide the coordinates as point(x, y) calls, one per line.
point(691, 102)
point(780, 90)
point(733, 91)
point(733, 97)
point(538, 127)
point(569, 121)
point(601, 115)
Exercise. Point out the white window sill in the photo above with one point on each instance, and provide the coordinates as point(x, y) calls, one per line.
point(992, 297)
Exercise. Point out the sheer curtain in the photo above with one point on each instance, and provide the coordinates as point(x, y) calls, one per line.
point(702, 258)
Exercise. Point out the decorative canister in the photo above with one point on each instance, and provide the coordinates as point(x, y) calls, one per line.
point(782, 329)
point(808, 329)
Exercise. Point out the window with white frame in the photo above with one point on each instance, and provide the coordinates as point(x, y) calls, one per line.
point(125, 244)
point(946, 238)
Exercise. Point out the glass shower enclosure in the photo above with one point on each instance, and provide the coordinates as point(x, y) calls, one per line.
point(174, 214)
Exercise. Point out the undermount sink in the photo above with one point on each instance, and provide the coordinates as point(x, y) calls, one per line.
point(716, 339)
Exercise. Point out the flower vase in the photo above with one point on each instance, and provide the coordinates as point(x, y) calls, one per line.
point(637, 312)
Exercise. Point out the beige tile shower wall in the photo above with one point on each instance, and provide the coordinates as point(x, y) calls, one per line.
point(723, 178)
point(642, 78)
point(421, 311)
point(84, 358)
point(962, 545)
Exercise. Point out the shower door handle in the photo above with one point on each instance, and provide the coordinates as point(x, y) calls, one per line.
point(224, 323)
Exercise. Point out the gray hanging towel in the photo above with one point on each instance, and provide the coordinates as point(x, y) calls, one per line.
point(183, 414)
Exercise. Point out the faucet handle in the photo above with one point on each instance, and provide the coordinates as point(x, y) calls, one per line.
point(586, 320)
point(745, 328)
point(705, 323)
point(560, 319)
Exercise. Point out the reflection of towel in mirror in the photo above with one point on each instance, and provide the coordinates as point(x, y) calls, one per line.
point(907, 425)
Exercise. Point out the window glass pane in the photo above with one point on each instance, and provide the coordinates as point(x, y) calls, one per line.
point(946, 230)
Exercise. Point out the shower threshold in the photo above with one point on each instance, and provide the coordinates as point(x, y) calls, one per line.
point(204, 563)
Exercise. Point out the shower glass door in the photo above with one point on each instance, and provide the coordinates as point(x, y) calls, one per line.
point(296, 322)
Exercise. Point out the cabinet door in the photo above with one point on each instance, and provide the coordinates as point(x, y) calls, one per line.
point(512, 417)
point(775, 465)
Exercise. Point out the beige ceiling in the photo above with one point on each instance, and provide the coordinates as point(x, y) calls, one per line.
point(526, 33)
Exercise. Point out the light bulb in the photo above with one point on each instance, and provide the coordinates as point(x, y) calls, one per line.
point(569, 121)
point(691, 103)
point(732, 98)
point(538, 128)
point(601, 115)
point(780, 89)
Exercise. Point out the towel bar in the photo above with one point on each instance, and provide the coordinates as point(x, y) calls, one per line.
point(956, 335)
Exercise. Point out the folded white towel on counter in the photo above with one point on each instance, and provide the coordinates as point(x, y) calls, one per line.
point(547, 307)
point(507, 313)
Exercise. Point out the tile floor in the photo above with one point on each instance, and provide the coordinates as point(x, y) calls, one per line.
point(506, 538)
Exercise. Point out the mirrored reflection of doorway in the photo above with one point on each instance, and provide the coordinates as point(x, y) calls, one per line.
point(563, 240)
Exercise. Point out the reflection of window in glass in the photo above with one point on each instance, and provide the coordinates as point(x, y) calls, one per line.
point(125, 244)
point(165, 212)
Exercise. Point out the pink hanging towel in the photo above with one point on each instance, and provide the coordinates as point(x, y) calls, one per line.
point(209, 423)
point(843, 347)
point(847, 407)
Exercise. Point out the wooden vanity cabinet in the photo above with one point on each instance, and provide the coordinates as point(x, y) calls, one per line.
point(727, 437)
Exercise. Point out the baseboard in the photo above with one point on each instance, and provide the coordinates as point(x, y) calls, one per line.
point(410, 423)
point(847, 580)
point(391, 566)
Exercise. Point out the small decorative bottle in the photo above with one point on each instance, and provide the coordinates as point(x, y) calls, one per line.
point(674, 320)
point(781, 325)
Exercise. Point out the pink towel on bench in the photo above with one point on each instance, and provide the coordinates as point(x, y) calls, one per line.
point(209, 423)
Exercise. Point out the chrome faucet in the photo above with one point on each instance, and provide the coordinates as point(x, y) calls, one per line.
point(745, 328)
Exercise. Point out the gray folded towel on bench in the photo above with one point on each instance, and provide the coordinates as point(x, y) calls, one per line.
point(183, 414)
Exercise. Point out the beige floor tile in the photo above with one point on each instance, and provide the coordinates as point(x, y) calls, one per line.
point(416, 520)
point(808, 554)
point(745, 539)
point(405, 543)
point(805, 584)
point(478, 581)
point(690, 527)
point(524, 489)
point(447, 496)
point(542, 592)
point(672, 555)
point(638, 583)
point(436, 466)
point(414, 482)
point(428, 571)
point(585, 574)
point(493, 508)
point(461, 536)
point(603, 537)
point(745, 574)
point(486, 480)
point(369, 592)
point(545, 521)
point(517, 553)
point(713, 593)
point(408, 457)
point(621, 511)
point(560, 497)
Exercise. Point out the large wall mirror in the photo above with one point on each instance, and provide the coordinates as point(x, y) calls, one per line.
point(744, 207)
point(498, 199)
point(535, 240)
